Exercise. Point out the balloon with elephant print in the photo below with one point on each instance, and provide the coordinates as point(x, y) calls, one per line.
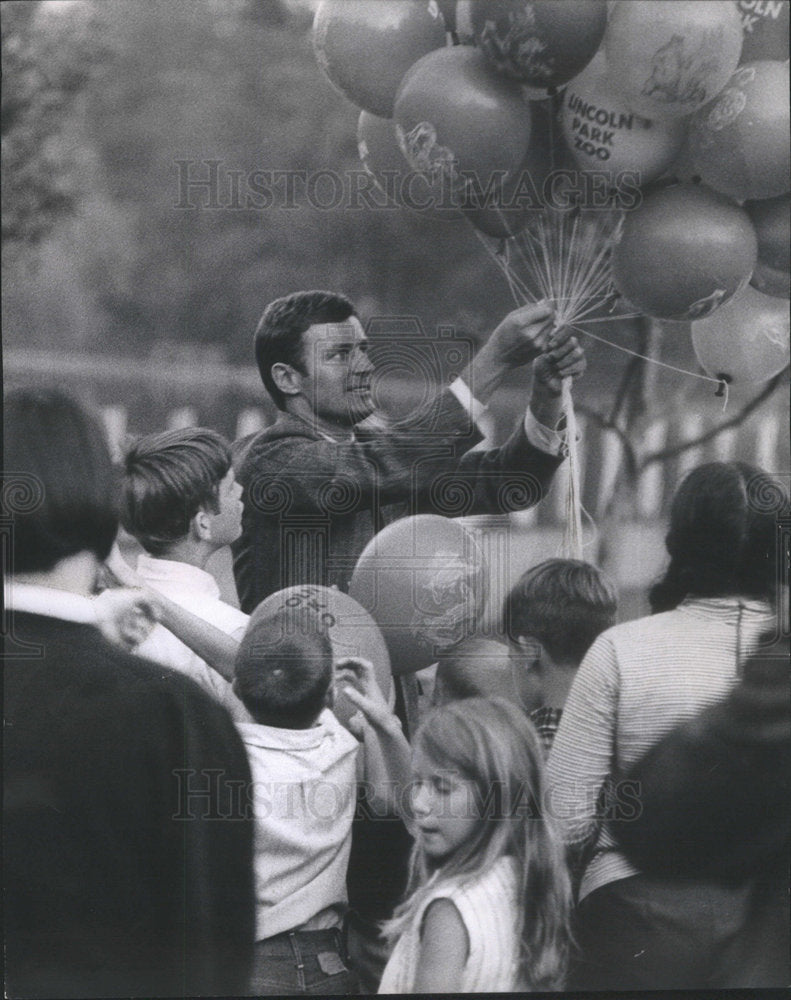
point(741, 142)
point(542, 44)
point(455, 115)
point(397, 181)
point(604, 134)
point(670, 59)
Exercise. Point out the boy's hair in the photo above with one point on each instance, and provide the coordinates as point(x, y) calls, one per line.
point(564, 603)
point(475, 667)
point(278, 336)
point(60, 485)
point(167, 479)
point(284, 668)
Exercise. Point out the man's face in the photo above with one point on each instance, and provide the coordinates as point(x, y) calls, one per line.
point(338, 379)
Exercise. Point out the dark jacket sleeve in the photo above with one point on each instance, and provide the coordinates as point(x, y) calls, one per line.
point(715, 794)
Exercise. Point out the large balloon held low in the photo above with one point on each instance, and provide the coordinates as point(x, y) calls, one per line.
point(422, 580)
point(765, 26)
point(772, 221)
point(350, 628)
point(454, 113)
point(543, 44)
point(684, 252)
point(365, 48)
point(670, 59)
point(745, 341)
point(741, 141)
point(384, 162)
point(605, 135)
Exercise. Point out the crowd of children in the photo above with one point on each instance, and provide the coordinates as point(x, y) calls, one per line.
point(503, 810)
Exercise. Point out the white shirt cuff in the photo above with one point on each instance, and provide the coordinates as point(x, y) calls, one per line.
point(544, 438)
point(461, 391)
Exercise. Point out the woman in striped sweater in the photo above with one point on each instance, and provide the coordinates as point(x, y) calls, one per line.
point(638, 681)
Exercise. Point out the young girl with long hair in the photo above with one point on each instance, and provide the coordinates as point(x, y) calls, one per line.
point(489, 895)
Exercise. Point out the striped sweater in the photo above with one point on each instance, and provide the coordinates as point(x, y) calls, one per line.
point(637, 682)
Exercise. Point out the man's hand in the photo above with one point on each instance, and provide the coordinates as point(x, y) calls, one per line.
point(563, 358)
point(516, 341)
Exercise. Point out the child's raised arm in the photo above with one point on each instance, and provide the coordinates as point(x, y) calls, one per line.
point(212, 645)
point(387, 753)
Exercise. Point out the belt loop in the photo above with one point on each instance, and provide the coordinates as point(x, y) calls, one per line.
point(292, 937)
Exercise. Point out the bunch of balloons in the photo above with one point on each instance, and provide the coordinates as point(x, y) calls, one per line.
point(675, 114)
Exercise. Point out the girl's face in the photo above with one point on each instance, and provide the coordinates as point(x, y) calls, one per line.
point(445, 807)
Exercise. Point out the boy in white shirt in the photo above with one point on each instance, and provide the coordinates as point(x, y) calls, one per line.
point(305, 768)
point(182, 503)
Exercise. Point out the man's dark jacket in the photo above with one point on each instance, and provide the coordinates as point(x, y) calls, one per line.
point(311, 505)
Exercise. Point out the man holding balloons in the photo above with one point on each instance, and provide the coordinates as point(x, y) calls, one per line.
point(331, 471)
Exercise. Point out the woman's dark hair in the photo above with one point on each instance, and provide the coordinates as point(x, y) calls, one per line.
point(278, 336)
point(723, 536)
point(59, 484)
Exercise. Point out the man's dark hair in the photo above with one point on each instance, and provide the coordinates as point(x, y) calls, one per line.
point(60, 486)
point(284, 668)
point(564, 604)
point(278, 336)
point(168, 478)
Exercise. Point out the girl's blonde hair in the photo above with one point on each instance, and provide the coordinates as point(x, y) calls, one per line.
point(491, 743)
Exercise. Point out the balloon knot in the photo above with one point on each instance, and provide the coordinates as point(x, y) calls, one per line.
point(724, 381)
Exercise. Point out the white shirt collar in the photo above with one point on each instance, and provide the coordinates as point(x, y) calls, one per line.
point(181, 574)
point(50, 602)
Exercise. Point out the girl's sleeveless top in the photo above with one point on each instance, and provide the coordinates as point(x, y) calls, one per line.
point(488, 906)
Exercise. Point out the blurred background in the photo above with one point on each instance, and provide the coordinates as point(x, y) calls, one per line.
point(126, 280)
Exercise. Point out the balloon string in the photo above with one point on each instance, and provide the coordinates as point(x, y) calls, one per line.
point(721, 383)
point(572, 534)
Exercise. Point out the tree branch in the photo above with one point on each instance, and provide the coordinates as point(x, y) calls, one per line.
point(664, 454)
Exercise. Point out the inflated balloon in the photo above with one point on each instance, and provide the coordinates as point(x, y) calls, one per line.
point(350, 628)
point(604, 134)
point(669, 59)
point(454, 114)
point(542, 44)
point(684, 252)
point(422, 580)
point(365, 48)
point(401, 185)
point(741, 141)
point(745, 341)
point(506, 209)
point(765, 27)
point(772, 222)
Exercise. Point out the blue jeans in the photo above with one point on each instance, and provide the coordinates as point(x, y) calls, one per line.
point(298, 962)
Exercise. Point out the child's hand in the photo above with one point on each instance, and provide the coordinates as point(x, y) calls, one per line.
point(125, 616)
point(357, 679)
